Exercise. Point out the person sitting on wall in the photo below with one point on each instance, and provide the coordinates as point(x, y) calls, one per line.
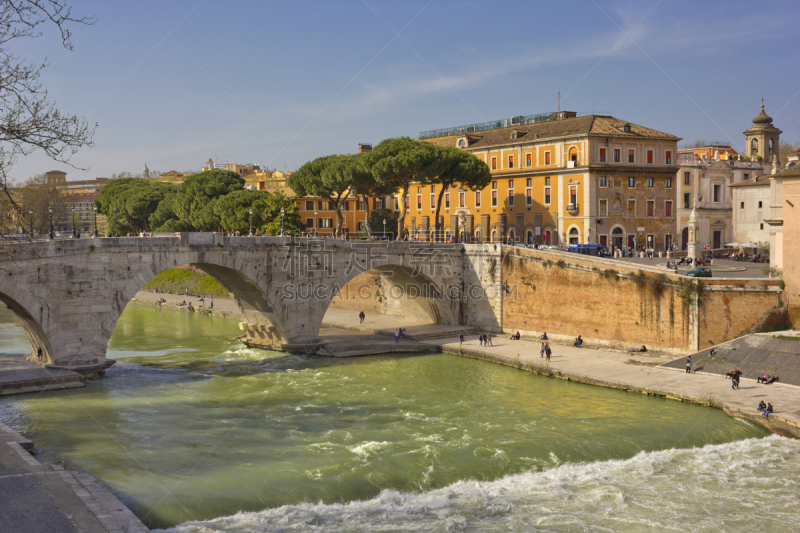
point(515, 337)
point(763, 379)
point(768, 410)
point(544, 336)
point(761, 407)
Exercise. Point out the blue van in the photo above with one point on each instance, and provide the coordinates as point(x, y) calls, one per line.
point(588, 249)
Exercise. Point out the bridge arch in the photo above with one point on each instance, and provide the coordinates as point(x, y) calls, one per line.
point(30, 311)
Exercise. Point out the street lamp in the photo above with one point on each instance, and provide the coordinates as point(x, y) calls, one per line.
point(74, 233)
point(316, 233)
point(52, 234)
point(94, 208)
point(283, 212)
point(384, 229)
point(251, 222)
point(30, 212)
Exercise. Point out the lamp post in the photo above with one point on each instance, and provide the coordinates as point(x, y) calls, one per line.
point(30, 212)
point(94, 233)
point(283, 212)
point(251, 222)
point(384, 229)
point(74, 233)
point(52, 234)
point(316, 233)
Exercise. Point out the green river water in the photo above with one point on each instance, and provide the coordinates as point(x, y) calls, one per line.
point(197, 435)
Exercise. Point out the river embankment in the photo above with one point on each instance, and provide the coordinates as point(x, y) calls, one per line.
point(642, 373)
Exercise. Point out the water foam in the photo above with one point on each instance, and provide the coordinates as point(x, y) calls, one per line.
point(749, 485)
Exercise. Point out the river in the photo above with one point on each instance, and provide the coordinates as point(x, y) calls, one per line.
point(199, 436)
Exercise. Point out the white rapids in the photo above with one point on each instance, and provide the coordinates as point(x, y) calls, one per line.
point(749, 485)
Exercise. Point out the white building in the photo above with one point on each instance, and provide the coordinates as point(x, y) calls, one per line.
point(751, 209)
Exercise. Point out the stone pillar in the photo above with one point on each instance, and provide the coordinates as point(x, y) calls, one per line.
point(469, 231)
point(485, 224)
point(691, 249)
point(501, 227)
point(454, 228)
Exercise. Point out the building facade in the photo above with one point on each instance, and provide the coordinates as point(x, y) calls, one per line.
point(558, 178)
point(751, 209)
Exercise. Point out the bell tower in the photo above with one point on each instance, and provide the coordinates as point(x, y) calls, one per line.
point(762, 138)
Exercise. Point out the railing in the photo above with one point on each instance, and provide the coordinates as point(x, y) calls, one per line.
point(497, 124)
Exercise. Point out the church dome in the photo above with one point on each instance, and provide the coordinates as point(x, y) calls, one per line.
point(762, 117)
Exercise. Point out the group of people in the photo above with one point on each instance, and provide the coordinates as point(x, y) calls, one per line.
point(734, 375)
point(766, 379)
point(765, 410)
point(485, 339)
point(545, 350)
point(399, 333)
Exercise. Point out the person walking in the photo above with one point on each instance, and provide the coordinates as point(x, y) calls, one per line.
point(689, 364)
point(541, 351)
point(480, 338)
point(547, 351)
point(361, 317)
point(39, 355)
point(397, 335)
point(461, 337)
point(489, 338)
point(735, 379)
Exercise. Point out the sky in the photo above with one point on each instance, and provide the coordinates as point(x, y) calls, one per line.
point(174, 83)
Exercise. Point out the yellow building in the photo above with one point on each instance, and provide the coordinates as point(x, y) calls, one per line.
point(558, 178)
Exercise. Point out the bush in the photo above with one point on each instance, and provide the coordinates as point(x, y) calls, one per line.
point(185, 279)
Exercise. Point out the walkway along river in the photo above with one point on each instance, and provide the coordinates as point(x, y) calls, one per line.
point(196, 435)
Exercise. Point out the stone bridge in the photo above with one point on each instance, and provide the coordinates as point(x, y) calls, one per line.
point(69, 294)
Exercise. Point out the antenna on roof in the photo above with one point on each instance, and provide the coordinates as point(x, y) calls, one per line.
point(559, 100)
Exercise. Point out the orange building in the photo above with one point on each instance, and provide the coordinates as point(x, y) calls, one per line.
point(710, 151)
point(558, 178)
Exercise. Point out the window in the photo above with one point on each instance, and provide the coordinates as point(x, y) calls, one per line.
point(668, 183)
point(528, 160)
point(603, 181)
point(461, 143)
point(631, 156)
point(668, 208)
point(573, 195)
point(310, 221)
point(419, 202)
point(669, 157)
point(631, 208)
point(547, 158)
point(687, 178)
point(627, 128)
point(494, 163)
point(462, 199)
point(746, 176)
point(477, 198)
point(761, 226)
point(717, 193)
point(650, 183)
point(770, 149)
point(326, 223)
point(650, 156)
point(347, 206)
point(547, 196)
point(511, 197)
point(494, 198)
point(603, 207)
point(616, 155)
point(330, 207)
point(433, 201)
point(510, 184)
point(754, 148)
point(687, 200)
point(511, 161)
point(650, 207)
point(447, 200)
point(377, 203)
point(631, 183)
point(319, 204)
point(362, 205)
point(396, 203)
point(528, 196)
point(362, 226)
point(547, 181)
point(407, 201)
point(759, 205)
point(741, 205)
point(528, 182)
point(602, 155)
point(309, 205)
point(494, 185)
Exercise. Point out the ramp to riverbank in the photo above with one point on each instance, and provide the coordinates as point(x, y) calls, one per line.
point(46, 497)
point(776, 354)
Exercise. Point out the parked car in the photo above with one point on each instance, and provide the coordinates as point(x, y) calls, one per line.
point(700, 272)
point(588, 249)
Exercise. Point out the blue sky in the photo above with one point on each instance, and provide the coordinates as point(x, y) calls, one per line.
point(172, 83)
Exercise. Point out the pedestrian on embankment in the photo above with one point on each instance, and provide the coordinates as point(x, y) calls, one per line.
point(461, 337)
point(541, 351)
point(361, 317)
point(489, 338)
point(547, 351)
point(397, 335)
point(689, 364)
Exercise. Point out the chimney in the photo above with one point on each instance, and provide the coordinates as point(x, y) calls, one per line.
point(364, 148)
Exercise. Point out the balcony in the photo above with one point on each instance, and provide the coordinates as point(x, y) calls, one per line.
point(573, 209)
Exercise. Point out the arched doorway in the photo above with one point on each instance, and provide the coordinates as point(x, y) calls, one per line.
point(477, 235)
point(685, 239)
point(529, 237)
point(574, 236)
point(494, 235)
point(461, 236)
point(547, 237)
point(617, 238)
point(511, 236)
